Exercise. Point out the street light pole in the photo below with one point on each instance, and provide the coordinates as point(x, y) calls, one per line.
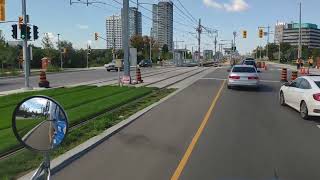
point(25, 48)
point(300, 46)
point(59, 48)
point(125, 38)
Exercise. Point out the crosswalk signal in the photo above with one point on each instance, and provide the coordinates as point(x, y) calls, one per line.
point(261, 33)
point(96, 35)
point(14, 31)
point(2, 10)
point(35, 32)
point(244, 33)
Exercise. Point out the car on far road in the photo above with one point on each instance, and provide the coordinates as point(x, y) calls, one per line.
point(145, 63)
point(243, 76)
point(302, 94)
point(112, 66)
point(249, 62)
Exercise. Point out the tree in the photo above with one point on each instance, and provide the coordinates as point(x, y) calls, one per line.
point(165, 52)
point(137, 42)
point(46, 42)
point(315, 52)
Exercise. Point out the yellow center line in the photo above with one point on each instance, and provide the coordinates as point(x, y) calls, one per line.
point(196, 137)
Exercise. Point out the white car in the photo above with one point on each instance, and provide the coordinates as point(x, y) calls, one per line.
point(302, 94)
point(243, 75)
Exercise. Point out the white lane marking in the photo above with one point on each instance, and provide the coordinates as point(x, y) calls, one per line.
point(318, 126)
point(219, 79)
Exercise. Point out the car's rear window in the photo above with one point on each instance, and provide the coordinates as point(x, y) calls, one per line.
point(244, 69)
point(317, 83)
point(249, 62)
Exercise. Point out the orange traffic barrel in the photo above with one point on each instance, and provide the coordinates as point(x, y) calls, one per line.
point(263, 65)
point(302, 71)
point(43, 80)
point(284, 75)
point(138, 76)
point(294, 75)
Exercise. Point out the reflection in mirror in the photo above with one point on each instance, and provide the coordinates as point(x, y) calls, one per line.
point(40, 124)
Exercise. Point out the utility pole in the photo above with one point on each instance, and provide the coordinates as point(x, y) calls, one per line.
point(25, 48)
point(59, 48)
point(114, 39)
point(215, 45)
point(150, 48)
point(268, 38)
point(125, 39)
point(300, 46)
point(199, 30)
point(279, 51)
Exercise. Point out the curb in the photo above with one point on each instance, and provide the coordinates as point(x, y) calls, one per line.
point(67, 158)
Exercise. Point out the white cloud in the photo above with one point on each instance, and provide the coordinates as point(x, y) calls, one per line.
point(233, 6)
point(81, 26)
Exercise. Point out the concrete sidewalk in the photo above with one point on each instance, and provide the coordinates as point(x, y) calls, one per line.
point(294, 68)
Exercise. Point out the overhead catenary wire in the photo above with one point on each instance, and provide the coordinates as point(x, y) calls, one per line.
point(187, 11)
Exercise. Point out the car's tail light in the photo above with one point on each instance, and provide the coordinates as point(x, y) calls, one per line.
point(316, 97)
point(253, 77)
point(234, 77)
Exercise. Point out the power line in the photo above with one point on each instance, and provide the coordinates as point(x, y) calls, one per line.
point(187, 11)
point(184, 13)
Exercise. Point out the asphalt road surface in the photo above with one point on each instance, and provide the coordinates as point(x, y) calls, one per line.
point(207, 132)
point(61, 79)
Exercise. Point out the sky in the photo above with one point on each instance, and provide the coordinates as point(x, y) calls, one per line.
point(78, 23)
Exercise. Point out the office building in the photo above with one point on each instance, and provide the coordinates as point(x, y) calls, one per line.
point(135, 22)
point(162, 25)
point(278, 32)
point(310, 35)
point(114, 32)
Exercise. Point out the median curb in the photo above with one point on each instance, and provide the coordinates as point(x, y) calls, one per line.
point(67, 158)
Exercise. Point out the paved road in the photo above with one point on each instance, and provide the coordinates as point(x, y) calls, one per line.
point(61, 79)
point(209, 132)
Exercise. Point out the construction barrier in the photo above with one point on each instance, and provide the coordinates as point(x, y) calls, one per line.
point(43, 80)
point(138, 76)
point(258, 64)
point(294, 75)
point(263, 65)
point(304, 71)
point(284, 75)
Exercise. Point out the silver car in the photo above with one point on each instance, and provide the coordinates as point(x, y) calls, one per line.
point(243, 75)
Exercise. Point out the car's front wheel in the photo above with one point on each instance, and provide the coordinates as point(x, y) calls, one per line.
point(282, 100)
point(304, 111)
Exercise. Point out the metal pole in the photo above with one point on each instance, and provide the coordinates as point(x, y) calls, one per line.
point(25, 48)
point(59, 48)
point(87, 56)
point(215, 46)
point(268, 38)
point(300, 46)
point(150, 48)
point(114, 39)
point(199, 40)
point(279, 51)
point(125, 37)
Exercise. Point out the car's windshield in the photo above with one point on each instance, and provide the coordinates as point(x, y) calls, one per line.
point(244, 70)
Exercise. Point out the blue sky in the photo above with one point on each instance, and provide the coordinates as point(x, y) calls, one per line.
point(77, 23)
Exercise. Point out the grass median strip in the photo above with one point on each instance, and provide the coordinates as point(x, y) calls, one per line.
point(26, 160)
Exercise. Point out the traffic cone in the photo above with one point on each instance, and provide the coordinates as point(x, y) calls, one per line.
point(284, 75)
point(43, 80)
point(138, 76)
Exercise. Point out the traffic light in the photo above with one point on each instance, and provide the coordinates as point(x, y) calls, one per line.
point(2, 10)
point(244, 33)
point(261, 33)
point(28, 33)
point(96, 36)
point(23, 33)
point(14, 31)
point(35, 32)
point(20, 21)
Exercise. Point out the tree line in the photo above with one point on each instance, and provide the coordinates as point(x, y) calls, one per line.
point(288, 52)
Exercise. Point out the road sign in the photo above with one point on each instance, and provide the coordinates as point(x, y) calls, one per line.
point(119, 63)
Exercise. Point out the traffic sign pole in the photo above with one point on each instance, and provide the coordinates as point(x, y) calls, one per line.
point(25, 48)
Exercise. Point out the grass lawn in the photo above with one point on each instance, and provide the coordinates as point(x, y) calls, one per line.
point(25, 160)
point(80, 103)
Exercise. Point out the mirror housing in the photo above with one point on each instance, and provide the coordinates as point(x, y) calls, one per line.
point(39, 123)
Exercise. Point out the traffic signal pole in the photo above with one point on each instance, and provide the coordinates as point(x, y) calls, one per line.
point(125, 38)
point(25, 48)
